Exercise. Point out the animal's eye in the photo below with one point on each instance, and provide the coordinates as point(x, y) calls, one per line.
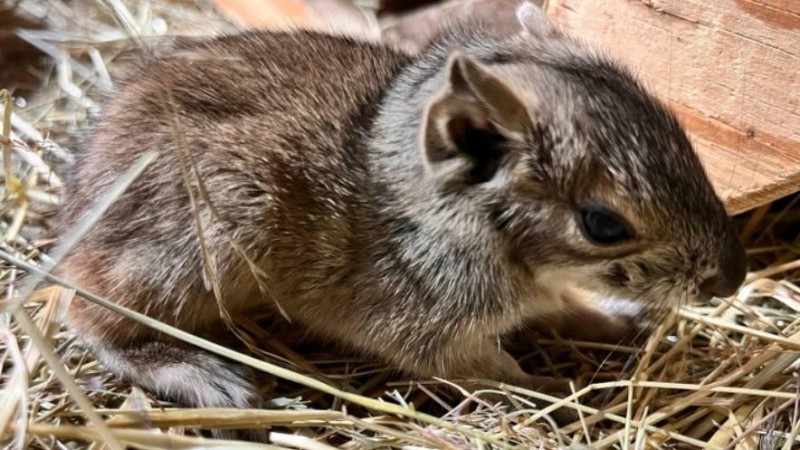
point(602, 226)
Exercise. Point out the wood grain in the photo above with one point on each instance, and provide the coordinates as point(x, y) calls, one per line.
point(730, 69)
point(266, 13)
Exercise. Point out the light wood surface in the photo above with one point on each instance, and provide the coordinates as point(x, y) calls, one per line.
point(731, 70)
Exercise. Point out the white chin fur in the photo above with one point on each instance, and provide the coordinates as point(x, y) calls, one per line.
point(559, 285)
point(618, 306)
point(613, 306)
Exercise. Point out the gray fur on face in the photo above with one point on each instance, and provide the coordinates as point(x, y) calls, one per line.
point(596, 136)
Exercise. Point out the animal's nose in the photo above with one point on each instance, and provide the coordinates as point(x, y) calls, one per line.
point(732, 271)
point(720, 285)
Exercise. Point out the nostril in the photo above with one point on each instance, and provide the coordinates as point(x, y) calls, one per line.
point(731, 273)
point(718, 286)
point(733, 266)
point(723, 284)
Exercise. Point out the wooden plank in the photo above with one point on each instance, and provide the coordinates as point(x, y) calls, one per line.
point(730, 69)
point(266, 13)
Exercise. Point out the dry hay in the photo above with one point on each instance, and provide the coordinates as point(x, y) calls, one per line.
point(719, 376)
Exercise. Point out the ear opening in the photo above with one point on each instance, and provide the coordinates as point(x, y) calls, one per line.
point(482, 148)
point(469, 128)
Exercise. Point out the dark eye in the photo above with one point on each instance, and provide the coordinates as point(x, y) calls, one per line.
point(602, 226)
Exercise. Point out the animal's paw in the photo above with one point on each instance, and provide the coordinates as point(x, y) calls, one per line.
point(193, 378)
point(611, 321)
point(212, 382)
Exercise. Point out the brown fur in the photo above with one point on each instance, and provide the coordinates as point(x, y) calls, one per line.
point(349, 173)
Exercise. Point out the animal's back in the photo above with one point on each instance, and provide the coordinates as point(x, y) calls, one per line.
point(256, 92)
point(260, 125)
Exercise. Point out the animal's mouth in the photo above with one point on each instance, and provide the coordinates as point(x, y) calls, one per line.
point(577, 290)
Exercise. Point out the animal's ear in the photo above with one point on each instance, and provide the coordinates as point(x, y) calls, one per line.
point(534, 20)
point(467, 130)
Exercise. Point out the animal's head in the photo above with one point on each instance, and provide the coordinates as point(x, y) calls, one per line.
point(587, 177)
